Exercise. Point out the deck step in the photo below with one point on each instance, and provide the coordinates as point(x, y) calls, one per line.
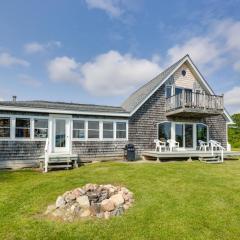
point(59, 166)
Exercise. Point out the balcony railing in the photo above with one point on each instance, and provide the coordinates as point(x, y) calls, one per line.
point(195, 101)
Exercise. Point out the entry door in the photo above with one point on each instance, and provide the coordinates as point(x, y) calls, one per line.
point(61, 136)
point(188, 135)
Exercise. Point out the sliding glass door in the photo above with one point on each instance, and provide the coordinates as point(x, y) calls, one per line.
point(184, 134)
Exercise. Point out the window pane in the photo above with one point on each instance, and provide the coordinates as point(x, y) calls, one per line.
point(202, 133)
point(164, 131)
point(179, 134)
point(22, 133)
point(93, 125)
point(40, 123)
point(78, 124)
point(168, 91)
point(121, 134)
point(41, 133)
point(78, 133)
point(121, 126)
point(107, 134)
point(4, 132)
point(93, 134)
point(23, 122)
point(108, 126)
point(4, 122)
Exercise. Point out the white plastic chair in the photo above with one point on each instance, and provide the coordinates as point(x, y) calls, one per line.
point(159, 145)
point(203, 145)
point(173, 144)
point(215, 145)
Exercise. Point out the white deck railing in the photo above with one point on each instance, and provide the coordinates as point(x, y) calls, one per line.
point(46, 155)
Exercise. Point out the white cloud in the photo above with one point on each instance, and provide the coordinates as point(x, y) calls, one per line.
point(7, 60)
point(64, 69)
point(108, 74)
point(111, 7)
point(219, 45)
point(35, 47)
point(232, 99)
point(29, 81)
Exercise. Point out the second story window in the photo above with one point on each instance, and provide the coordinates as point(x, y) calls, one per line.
point(168, 91)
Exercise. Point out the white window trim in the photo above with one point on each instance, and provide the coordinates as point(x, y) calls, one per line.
point(108, 139)
point(10, 122)
point(173, 124)
point(86, 139)
point(49, 118)
point(33, 128)
point(85, 130)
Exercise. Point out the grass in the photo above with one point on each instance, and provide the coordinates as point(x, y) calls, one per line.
point(176, 200)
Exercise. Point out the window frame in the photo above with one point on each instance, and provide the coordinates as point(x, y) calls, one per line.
point(10, 130)
point(113, 131)
point(85, 129)
point(23, 118)
point(122, 130)
point(99, 130)
point(33, 130)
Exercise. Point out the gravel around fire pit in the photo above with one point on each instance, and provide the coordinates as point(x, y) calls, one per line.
point(92, 200)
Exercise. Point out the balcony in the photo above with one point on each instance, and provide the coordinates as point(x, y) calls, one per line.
point(190, 104)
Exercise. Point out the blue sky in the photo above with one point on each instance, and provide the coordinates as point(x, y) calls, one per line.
point(99, 51)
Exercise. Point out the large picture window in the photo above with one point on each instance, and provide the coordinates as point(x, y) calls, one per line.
point(4, 127)
point(40, 128)
point(22, 129)
point(79, 129)
point(164, 131)
point(108, 130)
point(121, 130)
point(93, 129)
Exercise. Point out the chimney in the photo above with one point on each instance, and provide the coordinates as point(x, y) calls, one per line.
point(14, 98)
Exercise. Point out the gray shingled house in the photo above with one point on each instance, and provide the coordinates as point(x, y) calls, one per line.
point(177, 104)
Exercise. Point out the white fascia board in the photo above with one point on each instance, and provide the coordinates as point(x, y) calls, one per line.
point(57, 111)
point(159, 85)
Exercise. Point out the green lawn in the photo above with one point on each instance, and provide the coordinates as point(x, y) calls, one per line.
point(175, 200)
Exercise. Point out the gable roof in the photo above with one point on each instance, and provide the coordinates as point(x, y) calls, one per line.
point(139, 97)
point(62, 107)
point(136, 98)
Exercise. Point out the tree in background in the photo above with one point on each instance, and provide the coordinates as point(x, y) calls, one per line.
point(234, 132)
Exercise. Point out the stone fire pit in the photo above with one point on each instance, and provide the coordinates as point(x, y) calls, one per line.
point(92, 200)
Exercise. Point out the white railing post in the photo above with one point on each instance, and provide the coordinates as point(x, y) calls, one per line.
point(46, 155)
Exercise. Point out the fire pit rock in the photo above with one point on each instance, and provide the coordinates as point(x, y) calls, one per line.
point(92, 200)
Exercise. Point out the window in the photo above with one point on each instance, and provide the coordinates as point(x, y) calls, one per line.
point(4, 127)
point(107, 129)
point(184, 73)
point(40, 128)
point(22, 128)
point(164, 131)
point(93, 129)
point(202, 133)
point(79, 129)
point(168, 91)
point(121, 130)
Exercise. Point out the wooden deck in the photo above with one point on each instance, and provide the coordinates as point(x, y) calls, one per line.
point(178, 155)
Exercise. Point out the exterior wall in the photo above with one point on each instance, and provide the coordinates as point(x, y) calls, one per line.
point(188, 81)
point(143, 125)
point(98, 150)
point(19, 154)
point(25, 153)
point(217, 129)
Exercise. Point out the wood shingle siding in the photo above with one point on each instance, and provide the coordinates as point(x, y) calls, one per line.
point(19, 154)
